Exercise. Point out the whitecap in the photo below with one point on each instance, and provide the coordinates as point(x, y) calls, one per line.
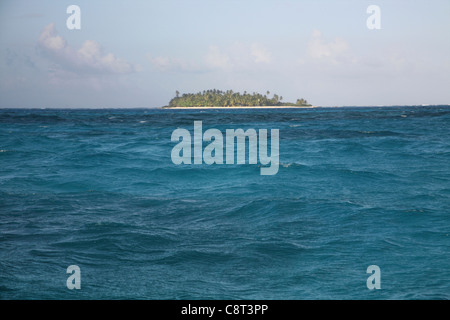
point(287, 165)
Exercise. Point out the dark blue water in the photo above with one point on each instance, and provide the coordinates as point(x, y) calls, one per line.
point(97, 189)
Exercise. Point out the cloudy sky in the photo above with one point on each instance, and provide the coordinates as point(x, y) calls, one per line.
point(138, 53)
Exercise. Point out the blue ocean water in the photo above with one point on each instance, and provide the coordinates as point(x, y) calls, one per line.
point(97, 188)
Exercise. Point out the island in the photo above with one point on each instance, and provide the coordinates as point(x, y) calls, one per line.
point(229, 99)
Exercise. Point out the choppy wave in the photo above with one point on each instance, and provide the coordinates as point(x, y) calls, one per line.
point(97, 188)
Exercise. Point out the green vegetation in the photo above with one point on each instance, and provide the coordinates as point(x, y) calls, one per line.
point(217, 98)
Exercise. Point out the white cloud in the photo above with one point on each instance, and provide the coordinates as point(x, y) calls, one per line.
point(88, 59)
point(335, 58)
point(334, 51)
point(165, 64)
point(260, 53)
point(217, 59)
point(237, 56)
point(49, 39)
point(160, 63)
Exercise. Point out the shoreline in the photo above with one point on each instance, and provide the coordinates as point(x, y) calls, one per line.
point(242, 107)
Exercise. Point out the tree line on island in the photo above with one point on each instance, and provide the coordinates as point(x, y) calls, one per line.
point(218, 98)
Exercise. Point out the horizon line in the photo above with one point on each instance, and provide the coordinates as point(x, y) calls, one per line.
point(204, 108)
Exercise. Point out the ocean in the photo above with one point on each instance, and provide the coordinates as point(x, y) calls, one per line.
point(356, 187)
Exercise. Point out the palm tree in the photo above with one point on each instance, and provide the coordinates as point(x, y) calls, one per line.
point(227, 98)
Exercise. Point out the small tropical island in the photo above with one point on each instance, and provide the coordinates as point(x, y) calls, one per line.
point(229, 99)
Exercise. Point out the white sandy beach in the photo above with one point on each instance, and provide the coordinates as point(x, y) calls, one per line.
point(244, 107)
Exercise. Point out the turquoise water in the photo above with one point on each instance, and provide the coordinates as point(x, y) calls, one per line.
point(97, 188)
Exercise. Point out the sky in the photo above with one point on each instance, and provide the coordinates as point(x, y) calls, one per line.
point(138, 53)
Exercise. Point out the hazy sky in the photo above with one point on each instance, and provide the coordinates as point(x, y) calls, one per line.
point(138, 53)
